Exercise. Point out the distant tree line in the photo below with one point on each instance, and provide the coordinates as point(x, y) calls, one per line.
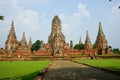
point(116, 51)
point(81, 47)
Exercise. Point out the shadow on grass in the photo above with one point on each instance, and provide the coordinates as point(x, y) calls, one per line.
point(30, 76)
point(113, 68)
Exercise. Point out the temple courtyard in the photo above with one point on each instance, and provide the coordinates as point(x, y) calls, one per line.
point(59, 70)
point(67, 70)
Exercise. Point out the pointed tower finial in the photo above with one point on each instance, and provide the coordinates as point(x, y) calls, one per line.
point(80, 41)
point(23, 42)
point(100, 31)
point(30, 43)
point(71, 44)
point(88, 44)
point(100, 23)
point(87, 34)
point(12, 31)
point(12, 22)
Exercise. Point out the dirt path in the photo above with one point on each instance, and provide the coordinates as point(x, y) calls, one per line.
point(67, 70)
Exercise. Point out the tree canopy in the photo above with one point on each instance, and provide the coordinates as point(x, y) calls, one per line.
point(36, 46)
point(79, 46)
point(1, 17)
point(116, 51)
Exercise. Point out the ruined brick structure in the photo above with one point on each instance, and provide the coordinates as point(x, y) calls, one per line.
point(56, 44)
point(23, 48)
point(56, 38)
point(101, 43)
point(11, 42)
point(14, 47)
point(88, 45)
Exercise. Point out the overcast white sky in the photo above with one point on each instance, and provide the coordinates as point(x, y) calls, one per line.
point(34, 17)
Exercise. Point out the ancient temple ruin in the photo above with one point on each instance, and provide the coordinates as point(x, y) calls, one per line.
point(15, 47)
point(88, 45)
point(101, 43)
point(56, 38)
point(11, 42)
point(56, 44)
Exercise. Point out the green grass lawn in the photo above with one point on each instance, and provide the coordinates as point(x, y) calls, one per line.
point(21, 70)
point(112, 64)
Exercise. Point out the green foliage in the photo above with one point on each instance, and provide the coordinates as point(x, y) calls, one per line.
point(1, 17)
point(79, 46)
point(112, 64)
point(36, 46)
point(116, 51)
point(21, 70)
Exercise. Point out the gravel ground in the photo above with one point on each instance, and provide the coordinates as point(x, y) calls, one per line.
point(67, 70)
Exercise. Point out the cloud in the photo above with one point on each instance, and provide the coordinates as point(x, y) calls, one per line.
point(116, 11)
point(71, 23)
point(25, 20)
point(1, 4)
point(75, 18)
point(82, 9)
point(115, 14)
point(33, 23)
point(28, 20)
point(114, 27)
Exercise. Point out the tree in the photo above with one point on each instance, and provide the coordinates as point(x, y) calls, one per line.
point(1, 17)
point(116, 51)
point(93, 45)
point(79, 46)
point(36, 46)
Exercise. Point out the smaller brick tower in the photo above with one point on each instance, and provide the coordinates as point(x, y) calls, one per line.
point(23, 41)
point(88, 45)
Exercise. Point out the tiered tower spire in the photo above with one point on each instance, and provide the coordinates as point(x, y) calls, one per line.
point(101, 42)
point(11, 42)
point(12, 31)
point(56, 38)
point(56, 29)
point(88, 45)
point(23, 42)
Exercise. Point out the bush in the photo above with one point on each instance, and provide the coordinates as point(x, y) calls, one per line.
point(79, 46)
point(116, 51)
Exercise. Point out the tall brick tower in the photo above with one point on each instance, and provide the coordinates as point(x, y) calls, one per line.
point(88, 45)
point(101, 43)
point(11, 42)
point(56, 38)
